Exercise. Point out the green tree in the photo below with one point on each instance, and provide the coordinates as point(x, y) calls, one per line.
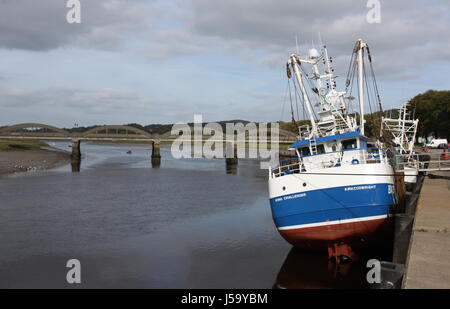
point(372, 124)
point(432, 108)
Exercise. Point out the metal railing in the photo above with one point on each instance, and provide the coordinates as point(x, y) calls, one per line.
point(421, 162)
point(358, 156)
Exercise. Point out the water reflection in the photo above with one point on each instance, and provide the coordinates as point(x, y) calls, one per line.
point(231, 169)
point(313, 270)
point(156, 162)
point(75, 165)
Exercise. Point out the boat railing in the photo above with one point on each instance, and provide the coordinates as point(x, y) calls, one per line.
point(304, 131)
point(358, 156)
point(420, 162)
point(285, 167)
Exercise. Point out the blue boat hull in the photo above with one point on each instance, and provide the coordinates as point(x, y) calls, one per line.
point(350, 214)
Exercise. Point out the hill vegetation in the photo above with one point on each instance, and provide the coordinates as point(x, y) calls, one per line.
point(432, 108)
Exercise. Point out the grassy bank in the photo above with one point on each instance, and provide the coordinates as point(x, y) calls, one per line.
point(10, 145)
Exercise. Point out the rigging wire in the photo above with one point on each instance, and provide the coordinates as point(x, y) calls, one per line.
point(290, 101)
point(350, 79)
point(284, 101)
point(350, 82)
point(374, 80)
point(297, 98)
point(367, 88)
point(306, 92)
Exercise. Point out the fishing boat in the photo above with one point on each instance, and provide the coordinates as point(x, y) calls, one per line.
point(400, 133)
point(338, 192)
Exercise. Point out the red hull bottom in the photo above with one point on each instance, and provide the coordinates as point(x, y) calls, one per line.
point(355, 234)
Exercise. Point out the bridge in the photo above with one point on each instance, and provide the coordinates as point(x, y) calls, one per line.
point(114, 133)
point(105, 133)
point(44, 131)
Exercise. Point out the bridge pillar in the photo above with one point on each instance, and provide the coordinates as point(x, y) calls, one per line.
point(156, 155)
point(76, 155)
point(76, 152)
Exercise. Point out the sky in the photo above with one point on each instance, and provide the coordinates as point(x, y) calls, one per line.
point(143, 61)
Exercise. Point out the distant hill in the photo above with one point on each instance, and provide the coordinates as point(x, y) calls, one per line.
point(432, 108)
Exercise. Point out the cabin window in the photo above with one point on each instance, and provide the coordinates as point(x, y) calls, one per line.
point(304, 151)
point(349, 144)
point(362, 144)
point(320, 149)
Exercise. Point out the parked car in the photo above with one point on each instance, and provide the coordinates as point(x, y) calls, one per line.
point(435, 143)
point(443, 146)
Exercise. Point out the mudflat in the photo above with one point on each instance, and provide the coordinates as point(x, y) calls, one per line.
point(12, 161)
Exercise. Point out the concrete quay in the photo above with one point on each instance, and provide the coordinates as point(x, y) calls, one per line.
point(428, 262)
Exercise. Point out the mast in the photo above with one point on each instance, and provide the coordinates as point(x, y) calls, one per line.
point(294, 63)
point(361, 46)
point(403, 109)
point(328, 70)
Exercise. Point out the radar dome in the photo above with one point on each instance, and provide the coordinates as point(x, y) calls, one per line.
point(313, 53)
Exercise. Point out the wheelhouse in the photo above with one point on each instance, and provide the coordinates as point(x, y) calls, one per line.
point(333, 151)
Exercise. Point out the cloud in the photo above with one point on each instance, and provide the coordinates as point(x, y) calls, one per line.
point(175, 42)
point(92, 101)
point(260, 31)
point(265, 30)
point(41, 25)
point(94, 106)
point(262, 95)
point(249, 37)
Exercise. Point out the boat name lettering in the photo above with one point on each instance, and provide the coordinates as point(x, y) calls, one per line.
point(361, 188)
point(289, 197)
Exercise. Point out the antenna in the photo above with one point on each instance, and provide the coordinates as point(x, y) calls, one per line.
point(296, 45)
point(320, 40)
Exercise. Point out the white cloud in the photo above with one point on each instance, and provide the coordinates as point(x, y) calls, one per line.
point(41, 25)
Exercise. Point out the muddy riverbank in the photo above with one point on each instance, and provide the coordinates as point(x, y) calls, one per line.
point(13, 161)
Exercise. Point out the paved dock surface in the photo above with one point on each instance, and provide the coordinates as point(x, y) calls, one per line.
point(428, 264)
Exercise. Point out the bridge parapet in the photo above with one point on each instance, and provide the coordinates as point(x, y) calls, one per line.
point(116, 131)
point(33, 129)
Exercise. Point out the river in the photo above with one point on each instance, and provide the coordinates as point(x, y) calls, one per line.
point(186, 224)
